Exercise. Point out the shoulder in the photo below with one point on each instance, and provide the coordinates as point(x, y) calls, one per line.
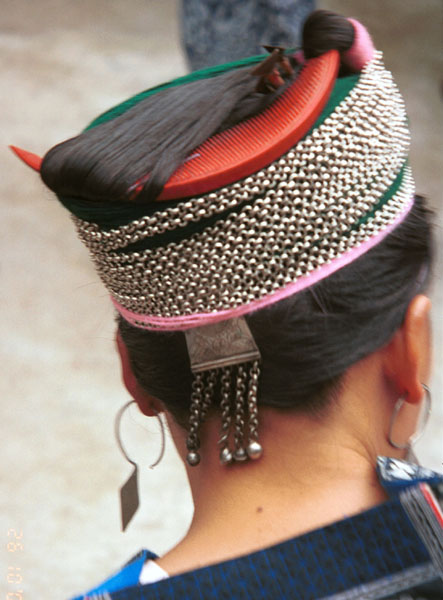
point(396, 548)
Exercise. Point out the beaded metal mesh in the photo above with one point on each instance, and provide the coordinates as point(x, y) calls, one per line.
point(343, 184)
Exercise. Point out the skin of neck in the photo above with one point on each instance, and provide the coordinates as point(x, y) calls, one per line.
point(315, 469)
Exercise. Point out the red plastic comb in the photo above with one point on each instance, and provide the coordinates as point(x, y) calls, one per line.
point(249, 146)
point(32, 160)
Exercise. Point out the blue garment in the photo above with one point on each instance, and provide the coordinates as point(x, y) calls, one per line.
point(391, 552)
point(216, 32)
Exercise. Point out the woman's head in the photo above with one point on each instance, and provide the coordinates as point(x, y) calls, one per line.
point(320, 246)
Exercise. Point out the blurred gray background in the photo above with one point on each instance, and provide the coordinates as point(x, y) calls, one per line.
point(62, 62)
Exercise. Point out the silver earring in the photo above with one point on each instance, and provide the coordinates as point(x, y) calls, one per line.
point(129, 496)
point(418, 434)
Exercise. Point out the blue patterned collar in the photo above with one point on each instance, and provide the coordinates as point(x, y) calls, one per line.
point(127, 576)
point(395, 475)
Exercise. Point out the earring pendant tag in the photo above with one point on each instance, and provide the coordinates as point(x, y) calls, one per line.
point(129, 498)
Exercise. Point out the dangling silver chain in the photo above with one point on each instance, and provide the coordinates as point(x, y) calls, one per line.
point(211, 378)
point(239, 414)
point(254, 449)
point(225, 405)
point(195, 417)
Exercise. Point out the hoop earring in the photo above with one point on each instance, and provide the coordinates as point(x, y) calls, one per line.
point(117, 423)
point(129, 496)
point(418, 434)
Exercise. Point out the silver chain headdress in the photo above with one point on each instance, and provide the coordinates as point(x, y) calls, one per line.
point(344, 184)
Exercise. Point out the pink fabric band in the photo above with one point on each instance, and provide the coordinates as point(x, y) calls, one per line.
point(196, 320)
point(361, 51)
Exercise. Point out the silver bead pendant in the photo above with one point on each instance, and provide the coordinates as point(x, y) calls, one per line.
point(254, 450)
point(193, 458)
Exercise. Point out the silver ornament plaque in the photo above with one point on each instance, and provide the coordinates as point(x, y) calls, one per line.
point(220, 345)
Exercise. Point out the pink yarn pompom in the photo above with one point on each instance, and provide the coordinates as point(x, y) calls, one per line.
point(300, 57)
point(361, 51)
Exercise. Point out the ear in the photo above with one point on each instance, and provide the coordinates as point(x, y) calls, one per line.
point(148, 405)
point(407, 357)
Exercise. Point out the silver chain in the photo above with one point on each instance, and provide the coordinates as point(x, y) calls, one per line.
point(225, 406)
point(252, 402)
point(195, 418)
point(239, 414)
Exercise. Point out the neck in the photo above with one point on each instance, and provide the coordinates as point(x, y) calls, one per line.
point(313, 471)
point(303, 463)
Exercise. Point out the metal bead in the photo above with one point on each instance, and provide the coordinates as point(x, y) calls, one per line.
point(240, 455)
point(254, 450)
point(193, 458)
point(226, 457)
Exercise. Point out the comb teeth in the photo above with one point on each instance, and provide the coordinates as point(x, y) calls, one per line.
point(249, 146)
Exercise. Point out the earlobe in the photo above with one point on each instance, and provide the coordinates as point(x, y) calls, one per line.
point(408, 354)
point(148, 405)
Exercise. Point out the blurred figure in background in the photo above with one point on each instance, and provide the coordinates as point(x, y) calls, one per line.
point(215, 32)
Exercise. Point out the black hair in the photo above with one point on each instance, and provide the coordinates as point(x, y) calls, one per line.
point(306, 341)
point(324, 30)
